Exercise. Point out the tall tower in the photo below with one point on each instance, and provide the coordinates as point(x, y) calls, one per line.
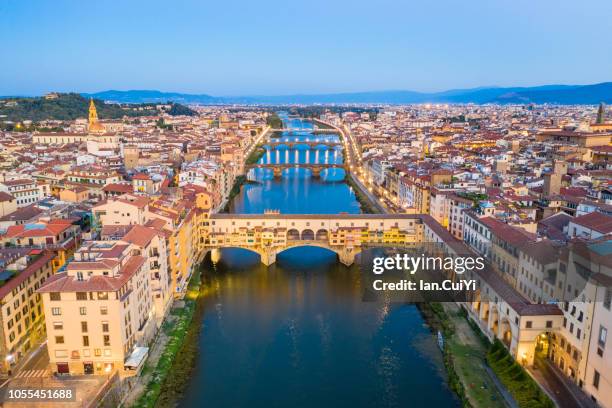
point(601, 114)
point(93, 114)
point(94, 125)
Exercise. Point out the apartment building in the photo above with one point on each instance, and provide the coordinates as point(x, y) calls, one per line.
point(537, 273)
point(153, 244)
point(497, 307)
point(60, 235)
point(101, 310)
point(477, 230)
point(598, 367)
point(590, 226)
point(127, 209)
point(455, 220)
point(174, 218)
point(506, 241)
point(22, 323)
point(24, 190)
point(8, 204)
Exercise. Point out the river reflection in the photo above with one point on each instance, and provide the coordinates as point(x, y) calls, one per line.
point(297, 334)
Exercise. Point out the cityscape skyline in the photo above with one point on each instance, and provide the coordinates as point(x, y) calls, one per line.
point(270, 48)
point(306, 204)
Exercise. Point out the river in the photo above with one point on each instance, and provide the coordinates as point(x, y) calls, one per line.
point(297, 333)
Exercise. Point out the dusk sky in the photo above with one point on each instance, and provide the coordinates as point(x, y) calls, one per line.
point(241, 47)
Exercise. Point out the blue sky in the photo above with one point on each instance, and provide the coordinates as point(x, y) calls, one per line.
point(246, 47)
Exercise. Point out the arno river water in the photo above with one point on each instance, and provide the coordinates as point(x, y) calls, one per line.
point(297, 333)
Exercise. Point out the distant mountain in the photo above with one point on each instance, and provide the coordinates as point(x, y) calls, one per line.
point(555, 94)
point(147, 96)
point(569, 95)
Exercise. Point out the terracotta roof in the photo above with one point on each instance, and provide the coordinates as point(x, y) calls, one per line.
point(543, 251)
point(23, 275)
point(140, 236)
point(23, 214)
point(62, 282)
point(118, 188)
point(141, 176)
point(18, 182)
point(514, 236)
point(35, 230)
point(5, 197)
point(596, 221)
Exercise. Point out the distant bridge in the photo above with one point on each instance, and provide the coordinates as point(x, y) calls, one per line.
point(311, 145)
point(279, 168)
point(309, 130)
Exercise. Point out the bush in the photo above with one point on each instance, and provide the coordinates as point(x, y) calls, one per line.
point(522, 387)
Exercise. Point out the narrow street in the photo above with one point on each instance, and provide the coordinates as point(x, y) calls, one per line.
point(562, 391)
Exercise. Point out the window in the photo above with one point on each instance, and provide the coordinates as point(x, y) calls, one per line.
point(549, 324)
point(58, 325)
point(596, 379)
point(528, 324)
point(103, 310)
point(106, 340)
point(84, 327)
point(603, 334)
point(97, 352)
point(81, 296)
point(105, 327)
point(56, 311)
point(82, 311)
point(55, 296)
point(59, 339)
point(607, 298)
point(102, 295)
point(85, 341)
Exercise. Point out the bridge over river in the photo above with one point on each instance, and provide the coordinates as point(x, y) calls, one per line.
point(345, 234)
point(311, 144)
point(313, 131)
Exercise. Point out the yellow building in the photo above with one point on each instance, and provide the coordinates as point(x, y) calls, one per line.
point(22, 322)
point(100, 311)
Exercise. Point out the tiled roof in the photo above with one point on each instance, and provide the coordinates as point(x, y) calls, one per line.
point(595, 221)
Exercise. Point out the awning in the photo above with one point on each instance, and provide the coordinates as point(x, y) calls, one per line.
point(137, 357)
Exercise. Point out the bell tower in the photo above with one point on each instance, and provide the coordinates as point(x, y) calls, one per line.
point(93, 114)
point(94, 125)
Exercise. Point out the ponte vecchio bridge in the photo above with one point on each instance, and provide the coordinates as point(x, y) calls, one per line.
point(345, 234)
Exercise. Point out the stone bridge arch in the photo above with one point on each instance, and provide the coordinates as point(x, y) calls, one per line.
point(293, 235)
point(308, 235)
point(322, 235)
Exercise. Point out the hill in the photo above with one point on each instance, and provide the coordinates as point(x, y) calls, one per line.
point(71, 106)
